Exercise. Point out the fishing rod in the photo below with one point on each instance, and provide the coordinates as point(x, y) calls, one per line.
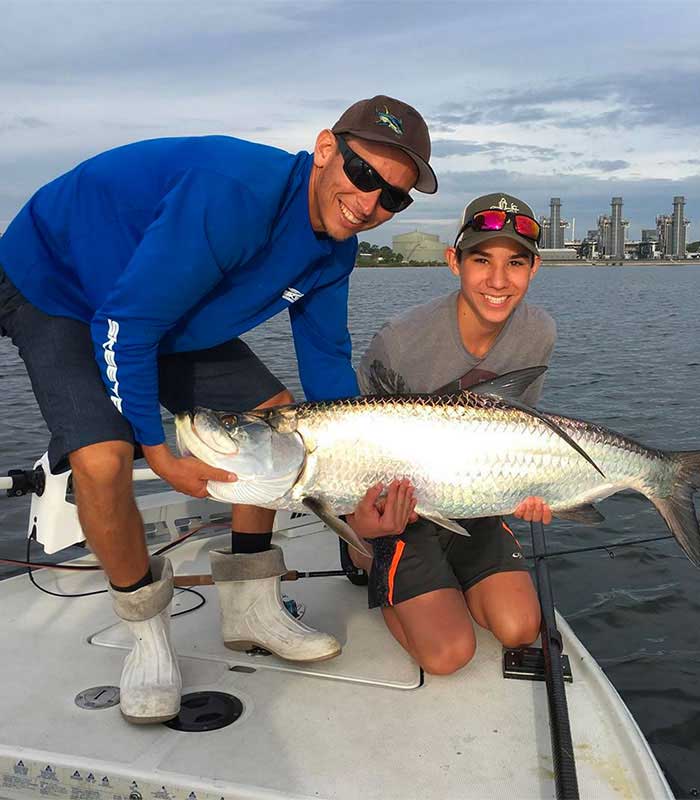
point(609, 548)
point(565, 777)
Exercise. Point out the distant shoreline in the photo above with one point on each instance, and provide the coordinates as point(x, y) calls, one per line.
point(686, 262)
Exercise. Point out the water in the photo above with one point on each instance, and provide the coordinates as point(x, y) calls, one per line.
point(627, 356)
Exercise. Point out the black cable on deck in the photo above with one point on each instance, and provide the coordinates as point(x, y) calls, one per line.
point(559, 727)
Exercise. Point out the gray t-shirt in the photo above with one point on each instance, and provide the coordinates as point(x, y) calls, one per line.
point(421, 350)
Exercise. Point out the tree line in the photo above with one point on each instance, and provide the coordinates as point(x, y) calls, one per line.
point(370, 254)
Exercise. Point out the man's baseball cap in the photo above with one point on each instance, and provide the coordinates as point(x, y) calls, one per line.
point(468, 237)
point(384, 119)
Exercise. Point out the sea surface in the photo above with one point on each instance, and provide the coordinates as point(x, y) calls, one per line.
point(627, 356)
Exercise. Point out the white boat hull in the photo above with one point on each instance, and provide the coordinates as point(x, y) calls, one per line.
point(359, 726)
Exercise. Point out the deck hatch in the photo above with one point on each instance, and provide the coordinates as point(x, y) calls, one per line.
point(206, 711)
point(98, 697)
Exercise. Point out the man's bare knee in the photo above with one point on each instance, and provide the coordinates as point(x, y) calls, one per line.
point(103, 465)
point(283, 398)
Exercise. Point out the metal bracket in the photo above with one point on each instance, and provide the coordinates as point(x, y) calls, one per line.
point(527, 664)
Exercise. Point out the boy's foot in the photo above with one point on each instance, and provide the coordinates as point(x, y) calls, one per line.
point(349, 558)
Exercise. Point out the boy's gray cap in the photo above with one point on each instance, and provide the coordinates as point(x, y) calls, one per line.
point(506, 202)
point(384, 119)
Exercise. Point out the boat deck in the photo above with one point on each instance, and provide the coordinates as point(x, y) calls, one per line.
point(363, 725)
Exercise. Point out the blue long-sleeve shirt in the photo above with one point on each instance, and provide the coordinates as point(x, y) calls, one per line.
point(180, 244)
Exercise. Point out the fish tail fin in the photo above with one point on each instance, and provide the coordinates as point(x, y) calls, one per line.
point(677, 509)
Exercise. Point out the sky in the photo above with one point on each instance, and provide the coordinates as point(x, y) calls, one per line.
point(581, 100)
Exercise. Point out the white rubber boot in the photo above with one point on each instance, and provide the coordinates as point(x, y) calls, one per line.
point(252, 611)
point(150, 685)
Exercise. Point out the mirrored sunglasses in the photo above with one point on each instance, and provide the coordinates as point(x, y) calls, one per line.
point(494, 219)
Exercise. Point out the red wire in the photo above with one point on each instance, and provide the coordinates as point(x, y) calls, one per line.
point(94, 567)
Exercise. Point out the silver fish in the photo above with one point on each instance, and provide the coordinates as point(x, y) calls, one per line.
point(477, 453)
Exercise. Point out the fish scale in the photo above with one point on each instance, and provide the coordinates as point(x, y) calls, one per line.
point(466, 455)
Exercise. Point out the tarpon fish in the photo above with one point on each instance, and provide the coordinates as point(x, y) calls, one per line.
point(473, 454)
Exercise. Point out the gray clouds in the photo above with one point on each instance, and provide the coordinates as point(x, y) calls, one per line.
point(555, 112)
point(655, 97)
point(18, 123)
point(607, 166)
point(444, 148)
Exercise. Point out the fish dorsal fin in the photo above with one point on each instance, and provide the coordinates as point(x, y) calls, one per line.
point(326, 514)
point(533, 412)
point(511, 385)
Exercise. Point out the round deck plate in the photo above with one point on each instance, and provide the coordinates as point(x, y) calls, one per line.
point(98, 697)
point(206, 711)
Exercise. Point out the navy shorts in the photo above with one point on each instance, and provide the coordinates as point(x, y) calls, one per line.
point(59, 357)
point(427, 557)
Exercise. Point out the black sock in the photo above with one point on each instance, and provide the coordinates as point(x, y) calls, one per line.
point(250, 542)
point(145, 581)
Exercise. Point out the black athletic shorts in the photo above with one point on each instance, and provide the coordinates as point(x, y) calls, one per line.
point(427, 557)
point(59, 356)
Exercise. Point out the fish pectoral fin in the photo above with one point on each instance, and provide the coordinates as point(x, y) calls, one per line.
point(325, 513)
point(436, 517)
point(586, 514)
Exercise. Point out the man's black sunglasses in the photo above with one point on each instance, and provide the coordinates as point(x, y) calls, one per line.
point(366, 178)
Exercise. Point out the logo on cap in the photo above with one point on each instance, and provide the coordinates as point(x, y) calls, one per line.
point(504, 205)
point(387, 118)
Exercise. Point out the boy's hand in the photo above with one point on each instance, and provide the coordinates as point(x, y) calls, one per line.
point(534, 509)
point(388, 516)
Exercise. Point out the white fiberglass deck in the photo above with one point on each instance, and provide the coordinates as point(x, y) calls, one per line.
point(361, 727)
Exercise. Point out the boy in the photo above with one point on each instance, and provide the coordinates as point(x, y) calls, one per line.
point(432, 586)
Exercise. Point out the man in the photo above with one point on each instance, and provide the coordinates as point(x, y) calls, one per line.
point(128, 280)
point(430, 582)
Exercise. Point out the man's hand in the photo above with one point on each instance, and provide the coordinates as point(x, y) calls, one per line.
point(534, 509)
point(187, 474)
point(375, 516)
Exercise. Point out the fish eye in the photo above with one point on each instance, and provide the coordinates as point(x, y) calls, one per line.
point(230, 424)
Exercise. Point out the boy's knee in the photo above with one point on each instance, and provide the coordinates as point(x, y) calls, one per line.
point(518, 631)
point(448, 657)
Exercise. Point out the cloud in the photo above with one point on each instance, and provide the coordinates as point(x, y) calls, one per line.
point(612, 101)
point(607, 166)
point(79, 77)
point(445, 148)
point(608, 120)
point(19, 123)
